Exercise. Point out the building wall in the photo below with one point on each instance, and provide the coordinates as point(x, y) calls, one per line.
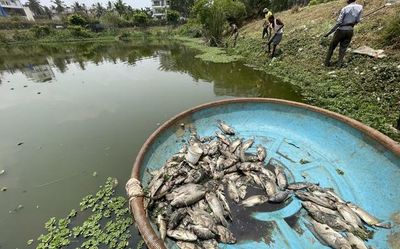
point(15, 8)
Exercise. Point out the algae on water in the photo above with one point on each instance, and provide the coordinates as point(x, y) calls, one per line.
point(107, 223)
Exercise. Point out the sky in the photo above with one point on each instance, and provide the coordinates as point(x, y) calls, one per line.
point(133, 3)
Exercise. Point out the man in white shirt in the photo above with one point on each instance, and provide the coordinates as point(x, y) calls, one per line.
point(349, 16)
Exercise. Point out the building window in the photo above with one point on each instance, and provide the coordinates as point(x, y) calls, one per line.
point(156, 3)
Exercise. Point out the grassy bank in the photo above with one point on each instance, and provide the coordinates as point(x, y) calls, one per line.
point(41, 34)
point(367, 89)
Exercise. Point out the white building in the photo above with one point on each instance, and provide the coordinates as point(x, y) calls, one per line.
point(15, 8)
point(159, 8)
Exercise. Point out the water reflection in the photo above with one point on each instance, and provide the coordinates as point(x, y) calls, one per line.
point(232, 79)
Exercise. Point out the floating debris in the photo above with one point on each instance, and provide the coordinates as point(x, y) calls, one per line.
point(4, 189)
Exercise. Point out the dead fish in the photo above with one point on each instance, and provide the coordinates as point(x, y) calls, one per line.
point(308, 205)
point(261, 153)
point(209, 244)
point(330, 236)
point(162, 226)
point(368, 218)
point(187, 245)
point(332, 221)
point(225, 236)
point(213, 147)
point(182, 234)
point(202, 232)
point(254, 200)
point(270, 188)
point(186, 195)
point(242, 191)
point(349, 215)
point(222, 198)
point(355, 242)
point(233, 192)
point(234, 145)
point(245, 146)
point(155, 185)
point(203, 218)
point(222, 138)
point(257, 180)
point(225, 128)
point(280, 177)
point(279, 197)
point(176, 218)
point(306, 196)
point(216, 208)
point(300, 185)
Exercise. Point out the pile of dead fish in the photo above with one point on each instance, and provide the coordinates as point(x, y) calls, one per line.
point(187, 196)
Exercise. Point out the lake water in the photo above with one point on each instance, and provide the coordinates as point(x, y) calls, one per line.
point(68, 111)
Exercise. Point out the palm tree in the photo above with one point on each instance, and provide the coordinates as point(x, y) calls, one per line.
point(59, 5)
point(120, 7)
point(98, 10)
point(109, 5)
point(77, 7)
point(48, 12)
point(35, 7)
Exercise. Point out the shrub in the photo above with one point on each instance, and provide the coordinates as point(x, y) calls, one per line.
point(140, 19)
point(22, 36)
point(113, 20)
point(214, 16)
point(173, 16)
point(3, 38)
point(191, 29)
point(79, 32)
point(40, 31)
point(391, 33)
point(77, 20)
point(124, 36)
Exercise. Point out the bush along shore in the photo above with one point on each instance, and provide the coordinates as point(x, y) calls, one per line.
point(366, 89)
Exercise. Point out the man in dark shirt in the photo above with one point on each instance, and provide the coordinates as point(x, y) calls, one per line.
point(348, 18)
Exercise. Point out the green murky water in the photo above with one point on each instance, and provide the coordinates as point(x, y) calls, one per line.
point(68, 111)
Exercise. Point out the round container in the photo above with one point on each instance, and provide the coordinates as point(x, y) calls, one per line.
point(316, 145)
point(193, 154)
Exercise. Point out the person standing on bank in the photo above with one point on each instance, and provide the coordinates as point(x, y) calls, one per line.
point(277, 27)
point(266, 27)
point(349, 16)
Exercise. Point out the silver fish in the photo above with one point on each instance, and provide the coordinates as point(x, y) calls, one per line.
point(233, 192)
point(234, 145)
point(223, 139)
point(187, 245)
point(261, 153)
point(186, 195)
point(162, 226)
point(226, 128)
point(242, 191)
point(332, 221)
point(308, 205)
point(270, 188)
point(279, 197)
point(368, 218)
point(222, 198)
point(355, 242)
point(176, 217)
point(280, 177)
point(213, 147)
point(305, 196)
point(181, 234)
point(330, 236)
point(225, 236)
point(300, 185)
point(254, 200)
point(202, 218)
point(349, 215)
point(216, 207)
point(202, 232)
point(209, 244)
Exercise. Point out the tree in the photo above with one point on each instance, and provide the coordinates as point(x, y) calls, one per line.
point(59, 5)
point(120, 7)
point(182, 6)
point(98, 10)
point(35, 7)
point(109, 6)
point(77, 7)
point(172, 16)
point(48, 12)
